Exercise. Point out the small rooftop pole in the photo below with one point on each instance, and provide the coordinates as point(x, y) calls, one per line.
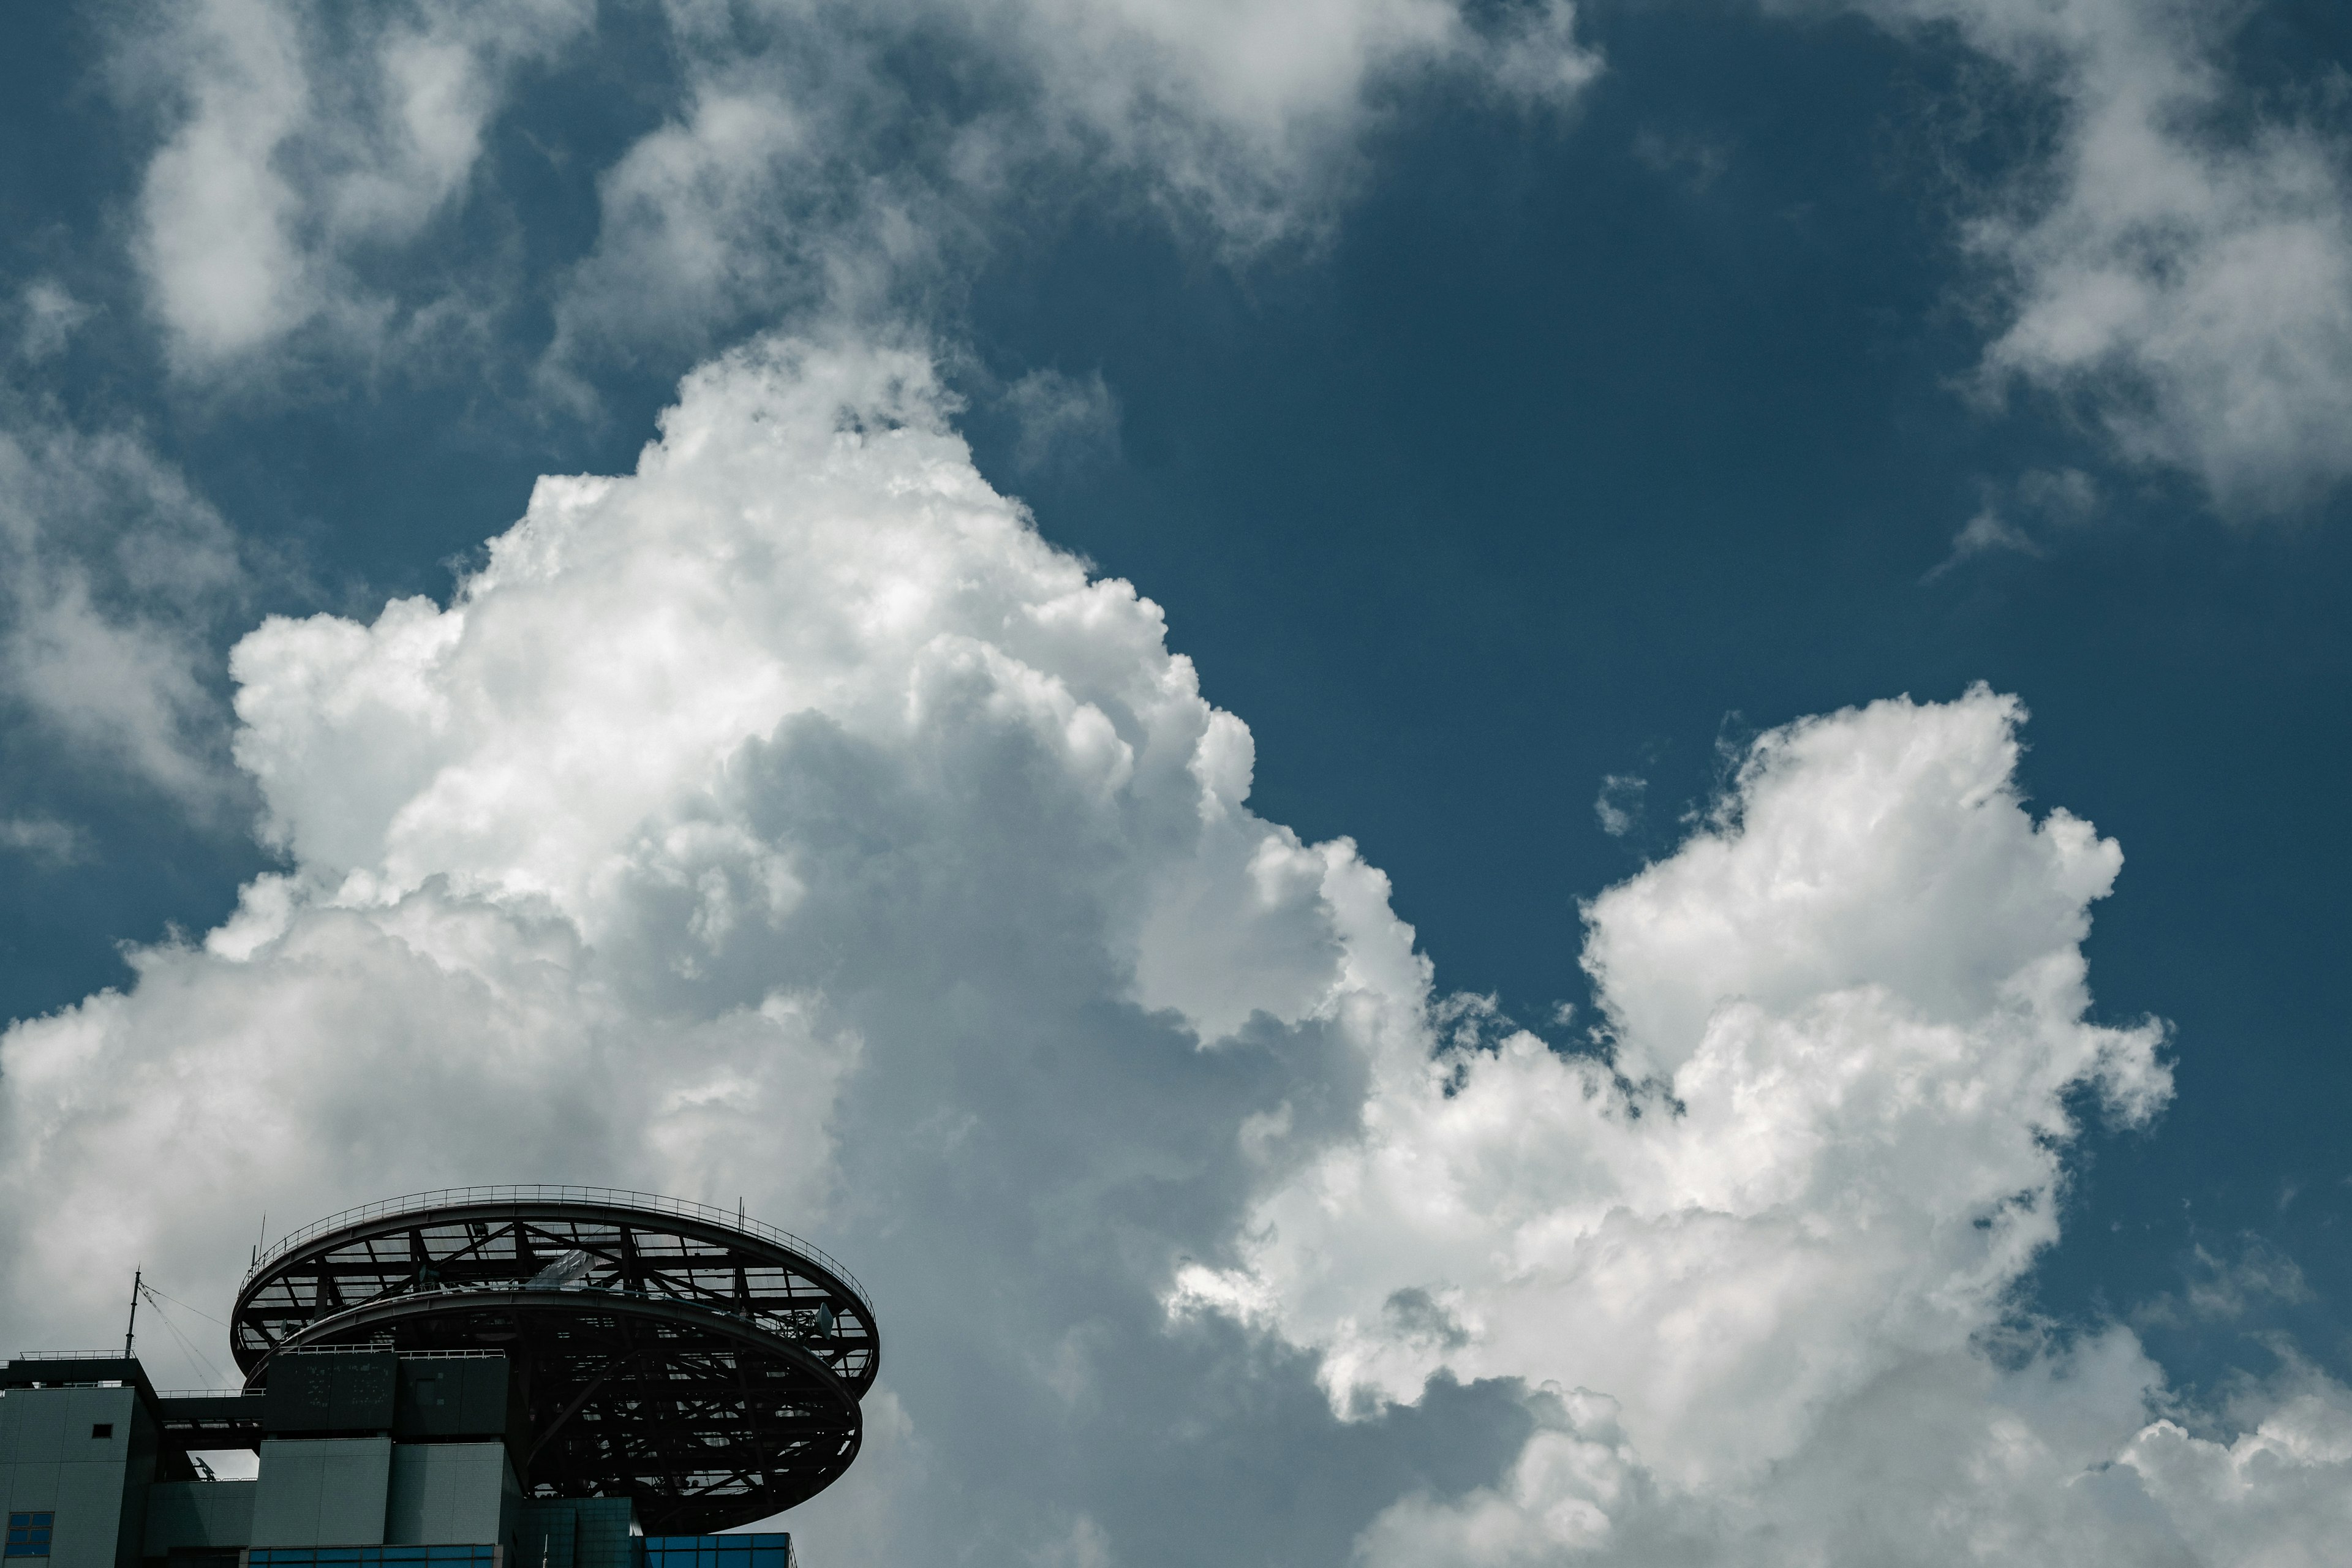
point(133, 1327)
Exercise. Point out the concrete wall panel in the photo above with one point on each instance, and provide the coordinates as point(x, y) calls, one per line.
point(321, 1491)
point(51, 1460)
point(201, 1515)
point(446, 1494)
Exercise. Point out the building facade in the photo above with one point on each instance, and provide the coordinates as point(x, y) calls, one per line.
point(369, 1458)
point(483, 1377)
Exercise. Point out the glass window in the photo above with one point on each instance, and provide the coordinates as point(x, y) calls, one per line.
point(373, 1556)
point(28, 1534)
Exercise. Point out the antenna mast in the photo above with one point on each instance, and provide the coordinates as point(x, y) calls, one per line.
point(133, 1327)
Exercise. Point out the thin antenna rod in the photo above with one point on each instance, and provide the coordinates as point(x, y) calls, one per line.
point(132, 1328)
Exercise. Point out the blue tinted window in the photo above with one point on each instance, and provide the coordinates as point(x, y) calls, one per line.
point(369, 1556)
point(765, 1549)
point(28, 1534)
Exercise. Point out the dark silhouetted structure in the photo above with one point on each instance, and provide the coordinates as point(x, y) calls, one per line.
point(488, 1377)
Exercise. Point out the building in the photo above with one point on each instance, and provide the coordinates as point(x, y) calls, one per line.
point(515, 1377)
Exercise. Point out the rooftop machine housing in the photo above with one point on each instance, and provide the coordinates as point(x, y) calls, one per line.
point(509, 1377)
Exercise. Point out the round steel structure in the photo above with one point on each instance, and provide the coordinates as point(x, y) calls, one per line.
point(702, 1364)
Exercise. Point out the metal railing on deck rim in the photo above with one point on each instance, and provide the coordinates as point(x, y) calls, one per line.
point(685, 1208)
point(446, 1291)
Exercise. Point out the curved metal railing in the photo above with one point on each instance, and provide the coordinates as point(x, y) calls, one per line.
point(684, 1208)
point(577, 1292)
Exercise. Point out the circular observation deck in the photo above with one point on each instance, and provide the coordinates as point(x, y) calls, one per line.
point(701, 1363)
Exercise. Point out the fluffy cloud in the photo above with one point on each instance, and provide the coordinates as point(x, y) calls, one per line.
point(2178, 271)
point(293, 151)
point(1247, 113)
point(787, 821)
point(119, 578)
point(804, 167)
point(2182, 270)
point(308, 176)
point(1760, 1251)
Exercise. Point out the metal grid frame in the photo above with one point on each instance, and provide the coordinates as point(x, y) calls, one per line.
point(502, 1237)
point(537, 1193)
point(704, 1365)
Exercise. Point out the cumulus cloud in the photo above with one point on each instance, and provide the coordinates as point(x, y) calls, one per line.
point(2180, 271)
point(1844, 1023)
point(1758, 1247)
point(786, 820)
point(117, 578)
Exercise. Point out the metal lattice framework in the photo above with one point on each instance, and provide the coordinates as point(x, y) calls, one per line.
point(709, 1366)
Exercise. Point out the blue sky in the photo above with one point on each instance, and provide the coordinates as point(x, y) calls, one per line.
point(1522, 415)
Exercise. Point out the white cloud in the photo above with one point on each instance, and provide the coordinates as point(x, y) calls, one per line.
point(291, 151)
point(44, 838)
point(1854, 1007)
point(706, 220)
point(1619, 804)
point(2182, 270)
point(117, 576)
point(1764, 1246)
point(803, 173)
point(51, 316)
point(787, 820)
point(1248, 114)
point(1986, 533)
point(1062, 418)
point(2223, 1289)
point(307, 172)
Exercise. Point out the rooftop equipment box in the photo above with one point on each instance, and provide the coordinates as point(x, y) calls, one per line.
point(313, 1393)
point(452, 1397)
